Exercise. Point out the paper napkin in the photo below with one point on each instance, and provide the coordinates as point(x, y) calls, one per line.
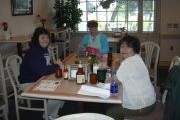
point(47, 85)
point(94, 91)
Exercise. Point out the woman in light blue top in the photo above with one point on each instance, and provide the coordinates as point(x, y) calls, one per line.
point(95, 39)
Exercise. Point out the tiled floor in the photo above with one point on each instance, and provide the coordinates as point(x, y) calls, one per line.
point(72, 107)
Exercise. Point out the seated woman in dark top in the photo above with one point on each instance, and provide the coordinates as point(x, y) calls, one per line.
point(36, 64)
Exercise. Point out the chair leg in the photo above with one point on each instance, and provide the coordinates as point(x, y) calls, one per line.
point(6, 112)
point(155, 80)
point(45, 109)
point(6, 116)
point(29, 103)
point(17, 109)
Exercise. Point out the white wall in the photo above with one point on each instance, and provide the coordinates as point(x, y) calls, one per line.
point(169, 37)
point(170, 14)
point(22, 25)
point(166, 53)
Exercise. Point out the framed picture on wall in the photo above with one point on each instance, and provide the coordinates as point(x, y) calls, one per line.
point(21, 7)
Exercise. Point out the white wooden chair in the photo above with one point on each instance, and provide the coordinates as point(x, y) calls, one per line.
point(174, 61)
point(150, 54)
point(85, 116)
point(13, 63)
point(5, 76)
point(3, 93)
point(53, 52)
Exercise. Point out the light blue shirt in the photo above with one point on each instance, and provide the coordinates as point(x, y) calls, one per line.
point(100, 42)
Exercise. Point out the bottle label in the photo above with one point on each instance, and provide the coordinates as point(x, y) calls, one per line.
point(114, 88)
point(80, 79)
point(65, 74)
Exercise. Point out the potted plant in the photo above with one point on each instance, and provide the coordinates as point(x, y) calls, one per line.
point(67, 14)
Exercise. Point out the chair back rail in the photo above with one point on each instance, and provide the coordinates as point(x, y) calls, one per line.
point(13, 64)
point(151, 51)
point(175, 61)
point(3, 92)
point(53, 52)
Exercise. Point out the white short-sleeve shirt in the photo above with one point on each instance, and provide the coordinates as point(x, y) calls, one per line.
point(138, 91)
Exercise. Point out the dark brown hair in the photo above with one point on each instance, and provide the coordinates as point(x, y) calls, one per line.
point(39, 31)
point(132, 42)
point(92, 23)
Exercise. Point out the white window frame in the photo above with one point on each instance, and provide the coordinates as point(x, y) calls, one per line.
point(140, 18)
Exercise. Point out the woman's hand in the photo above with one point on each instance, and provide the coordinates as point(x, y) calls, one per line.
point(117, 59)
point(59, 62)
point(81, 48)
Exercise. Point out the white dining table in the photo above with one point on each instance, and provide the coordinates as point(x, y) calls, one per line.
point(19, 40)
point(67, 90)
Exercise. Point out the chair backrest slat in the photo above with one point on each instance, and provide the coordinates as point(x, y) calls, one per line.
point(175, 61)
point(13, 64)
point(150, 48)
point(151, 57)
point(53, 52)
point(3, 92)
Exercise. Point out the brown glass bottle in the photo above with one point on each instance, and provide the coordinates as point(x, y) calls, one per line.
point(109, 58)
point(58, 73)
point(80, 75)
point(65, 73)
point(93, 78)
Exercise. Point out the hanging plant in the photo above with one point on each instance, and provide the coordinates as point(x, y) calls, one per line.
point(106, 4)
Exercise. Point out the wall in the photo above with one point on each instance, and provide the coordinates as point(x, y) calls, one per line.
point(21, 25)
point(170, 37)
point(170, 15)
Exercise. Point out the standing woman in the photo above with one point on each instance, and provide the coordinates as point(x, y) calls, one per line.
point(36, 64)
point(95, 38)
point(138, 93)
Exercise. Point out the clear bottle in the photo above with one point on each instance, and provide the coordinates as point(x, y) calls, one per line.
point(65, 73)
point(80, 75)
point(114, 87)
point(108, 74)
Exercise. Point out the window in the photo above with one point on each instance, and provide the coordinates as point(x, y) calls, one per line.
point(148, 15)
point(134, 15)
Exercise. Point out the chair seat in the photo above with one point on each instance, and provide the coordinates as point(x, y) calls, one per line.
point(85, 116)
point(156, 114)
